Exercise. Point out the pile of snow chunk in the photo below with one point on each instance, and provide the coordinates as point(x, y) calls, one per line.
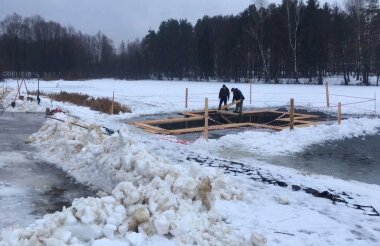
point(152, 198)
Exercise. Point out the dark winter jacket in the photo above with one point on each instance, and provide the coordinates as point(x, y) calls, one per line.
point(224, 92)
point(238, 95)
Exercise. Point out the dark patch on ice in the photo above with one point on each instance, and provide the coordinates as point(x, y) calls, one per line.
point(44, 187)
point(353, 158)
point(256, 174)
point(307, 232)
point(296, 187)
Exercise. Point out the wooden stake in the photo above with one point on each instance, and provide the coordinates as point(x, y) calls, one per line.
point(339, 113)
point(291, 113)
point(206, 119)
point(26, 88)
point(18, 88)
point(375, 104)
point(113, 101)
point(250, 92)
point(186, 97)
point(327, 95)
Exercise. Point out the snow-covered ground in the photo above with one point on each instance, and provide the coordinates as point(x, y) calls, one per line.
point(156, 193)
point(153, 97)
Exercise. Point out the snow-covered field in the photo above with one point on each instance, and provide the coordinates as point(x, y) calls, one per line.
point(156, 193)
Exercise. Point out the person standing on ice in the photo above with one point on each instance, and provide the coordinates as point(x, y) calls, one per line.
point(224, 96)
point(238, 96)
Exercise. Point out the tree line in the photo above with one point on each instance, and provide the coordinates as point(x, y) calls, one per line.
point(290, 40)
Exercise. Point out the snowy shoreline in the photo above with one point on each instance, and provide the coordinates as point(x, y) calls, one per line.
point(154, 190)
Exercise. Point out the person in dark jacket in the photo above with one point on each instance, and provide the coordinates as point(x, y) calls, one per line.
point(238, 96)
point(224, 96)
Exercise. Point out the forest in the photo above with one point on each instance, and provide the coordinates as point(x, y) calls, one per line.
point(291, 40)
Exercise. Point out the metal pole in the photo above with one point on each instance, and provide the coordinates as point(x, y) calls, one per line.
point(327, 95)
point(375, 104)
point(250, 92)
point(206, 119)
point(186, 97)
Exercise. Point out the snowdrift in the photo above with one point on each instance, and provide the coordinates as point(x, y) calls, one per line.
point(151, 200)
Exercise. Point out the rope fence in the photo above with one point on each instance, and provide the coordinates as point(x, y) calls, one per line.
point(258, 98)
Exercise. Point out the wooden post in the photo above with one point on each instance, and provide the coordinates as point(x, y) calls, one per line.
point(113, 100)
point(186, 97)
point(250, 91)
point(339, 113)
point(375, 104)
point(291, 113)
point(327, 95)
point(206, 119)
point(18, 88)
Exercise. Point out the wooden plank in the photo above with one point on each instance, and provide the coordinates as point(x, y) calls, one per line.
point(300, 120)
point(227, 120)
point(156, 130)
point(295, 114)
point(304, 121)
point(216, 127)
point(277, 128)
point(305, 125)
point(226, 126)
point(295, 118)
point(187, 130)
point(173, 120)
point(150, 128)
point(305, 115)
point(230, 104)
point(206, 119)
point(226, 112)
point(191, 114)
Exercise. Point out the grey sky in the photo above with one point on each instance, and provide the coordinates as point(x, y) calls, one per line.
point(119, 19)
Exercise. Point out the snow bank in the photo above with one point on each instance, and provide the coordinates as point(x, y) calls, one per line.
point(286, 142)
point(152, 198)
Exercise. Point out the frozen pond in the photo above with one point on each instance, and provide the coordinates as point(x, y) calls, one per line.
point(350, 159)
point(29, 187)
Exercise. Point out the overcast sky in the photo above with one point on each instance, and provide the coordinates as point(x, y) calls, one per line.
point(120, 19)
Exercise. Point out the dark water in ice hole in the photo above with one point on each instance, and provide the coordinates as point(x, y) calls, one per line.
point(350, 159)
point(29, 187)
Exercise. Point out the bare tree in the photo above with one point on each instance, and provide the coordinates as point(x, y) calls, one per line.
point(355, 8)
point(257, 31)
point(293, 13)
